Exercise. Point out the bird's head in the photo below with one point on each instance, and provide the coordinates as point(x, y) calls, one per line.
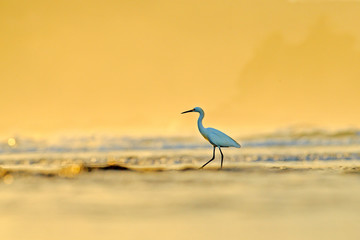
point(196, 109)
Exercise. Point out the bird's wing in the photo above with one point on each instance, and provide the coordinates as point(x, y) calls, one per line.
point(220, 139)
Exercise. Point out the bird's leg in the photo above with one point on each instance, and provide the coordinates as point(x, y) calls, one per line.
point(222, 157)
point(210, 159)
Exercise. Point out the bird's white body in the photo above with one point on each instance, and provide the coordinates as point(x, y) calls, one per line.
point(214, 136)
point(219, 139)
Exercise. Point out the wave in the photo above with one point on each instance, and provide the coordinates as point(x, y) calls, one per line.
point(105, 143)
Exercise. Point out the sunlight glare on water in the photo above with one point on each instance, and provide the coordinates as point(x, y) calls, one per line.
point(11, 142)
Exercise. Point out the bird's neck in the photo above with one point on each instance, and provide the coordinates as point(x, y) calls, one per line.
point(200, 125)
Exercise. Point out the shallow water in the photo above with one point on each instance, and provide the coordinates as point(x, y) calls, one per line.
point(282, 186)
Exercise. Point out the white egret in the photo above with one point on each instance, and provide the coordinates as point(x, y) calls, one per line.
point(214, 136)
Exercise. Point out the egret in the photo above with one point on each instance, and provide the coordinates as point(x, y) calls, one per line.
point(214, 136)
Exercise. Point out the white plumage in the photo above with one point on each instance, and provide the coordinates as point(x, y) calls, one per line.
point(214, 136)
point(220, 139)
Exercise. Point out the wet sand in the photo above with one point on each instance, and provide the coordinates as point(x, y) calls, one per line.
point(117, 199)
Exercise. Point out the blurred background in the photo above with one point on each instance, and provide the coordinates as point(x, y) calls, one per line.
point(93, 145)
point(133, 66)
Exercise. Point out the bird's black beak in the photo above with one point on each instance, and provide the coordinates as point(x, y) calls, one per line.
point(188, 111)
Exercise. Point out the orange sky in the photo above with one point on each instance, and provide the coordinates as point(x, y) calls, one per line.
point(135, 65)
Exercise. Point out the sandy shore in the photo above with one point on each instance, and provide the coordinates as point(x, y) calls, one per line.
point(256, 200)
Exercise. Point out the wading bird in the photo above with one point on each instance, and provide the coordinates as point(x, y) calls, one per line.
point(214, 136)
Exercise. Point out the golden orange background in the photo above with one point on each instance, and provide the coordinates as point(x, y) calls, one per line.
point(133, 66)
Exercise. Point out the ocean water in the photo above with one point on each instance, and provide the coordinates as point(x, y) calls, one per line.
point(289, 184)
